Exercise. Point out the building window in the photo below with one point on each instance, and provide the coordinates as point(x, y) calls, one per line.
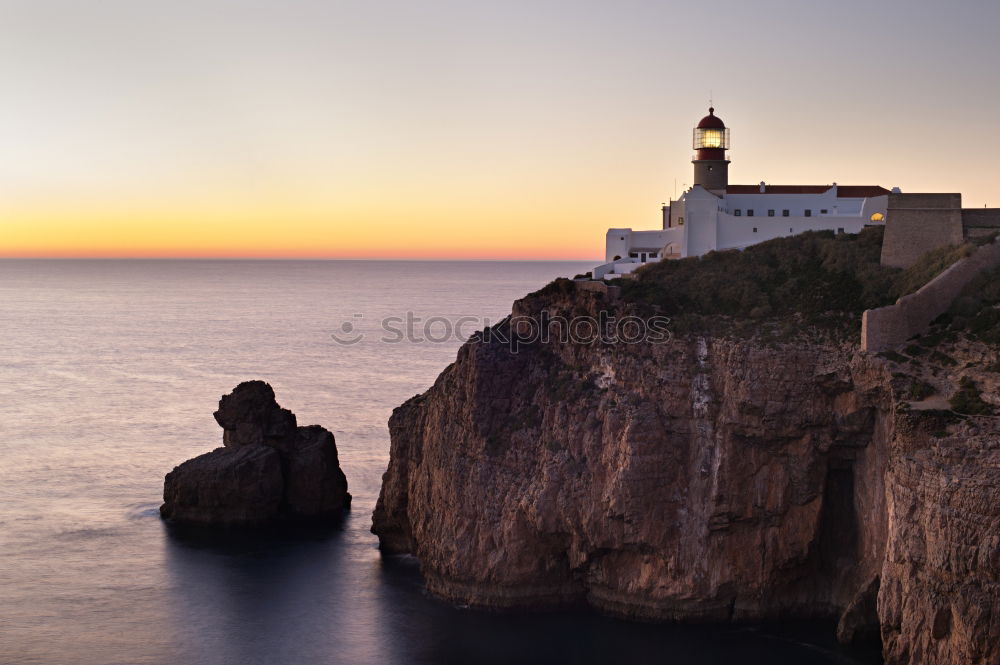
point(770, 213)
point(790, 230)
point(737, 212)
point(633, 255)
point(877, 217)
point(621, 237)
point(822, 212)
point(785, 213)
point(749, 212)
point(755, 229)
point(680, 221)
point(840, 230)
point(809, 213)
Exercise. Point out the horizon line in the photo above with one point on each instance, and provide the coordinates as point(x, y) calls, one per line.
point(286, 258)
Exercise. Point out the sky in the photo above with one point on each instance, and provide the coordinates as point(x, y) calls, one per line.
point(462, 128)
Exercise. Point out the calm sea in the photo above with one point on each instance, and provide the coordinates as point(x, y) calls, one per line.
point(109, 374)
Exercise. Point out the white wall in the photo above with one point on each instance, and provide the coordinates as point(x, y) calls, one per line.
point(701, 221)
point(709, 223)
point(738, 232)
point(616, 243)
point(657, 239)
point(797, 204)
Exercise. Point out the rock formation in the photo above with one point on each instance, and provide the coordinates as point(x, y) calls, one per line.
point(940, 596)
point(704, 478)
point(268, 469)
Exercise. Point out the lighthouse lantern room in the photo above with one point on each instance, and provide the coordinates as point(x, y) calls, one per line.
point(711, 140)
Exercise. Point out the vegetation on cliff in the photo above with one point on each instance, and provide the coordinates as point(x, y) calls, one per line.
point(974, 318)
point(815, 282)
point(976, 312)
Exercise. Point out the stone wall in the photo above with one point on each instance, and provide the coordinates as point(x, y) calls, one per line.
point(612, 292)
point(886, 327)
point(918, 223)
point(978, 222)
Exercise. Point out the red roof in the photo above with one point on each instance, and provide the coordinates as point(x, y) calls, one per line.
point(843, 191)
point(710, 121)
point(860, 191)
point(777, 189)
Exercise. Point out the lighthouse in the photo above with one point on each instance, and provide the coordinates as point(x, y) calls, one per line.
point(714, 215)
point(711, 140)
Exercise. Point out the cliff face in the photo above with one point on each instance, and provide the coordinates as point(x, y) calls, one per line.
point(940, 595)
point(694, 479)
point(698, 479)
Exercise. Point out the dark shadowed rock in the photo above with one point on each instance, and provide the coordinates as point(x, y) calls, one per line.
point(859, 624)
point(314, 483)
point(269, 469)
point(250, 415)
point(226, 486)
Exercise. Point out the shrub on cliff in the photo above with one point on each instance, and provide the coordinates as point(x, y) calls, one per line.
point(968, 400)
point(976, 312)
point(817, 279)
point(930, 265)
point(810, 273)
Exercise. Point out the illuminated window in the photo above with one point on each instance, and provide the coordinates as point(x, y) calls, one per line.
point(711, 138)
point(680, 221)
point(878, 217)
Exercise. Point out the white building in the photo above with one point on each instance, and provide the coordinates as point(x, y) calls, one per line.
point(714, 215)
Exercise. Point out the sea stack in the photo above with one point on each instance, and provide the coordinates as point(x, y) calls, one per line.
point(268, 470)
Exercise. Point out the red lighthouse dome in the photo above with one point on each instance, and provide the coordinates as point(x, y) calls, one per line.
point(711, 121)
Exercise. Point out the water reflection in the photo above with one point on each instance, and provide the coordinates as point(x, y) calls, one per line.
point(265, 597)
point(308, 596)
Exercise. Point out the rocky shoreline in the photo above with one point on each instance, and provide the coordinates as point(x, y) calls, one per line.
point(702, 479)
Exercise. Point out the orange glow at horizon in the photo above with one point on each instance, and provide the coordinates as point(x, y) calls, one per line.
point(454, 129)
point(298, 235)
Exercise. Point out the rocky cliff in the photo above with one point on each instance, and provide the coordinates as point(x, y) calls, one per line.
point(268, 469)
point(702, 478)
point(940, 596)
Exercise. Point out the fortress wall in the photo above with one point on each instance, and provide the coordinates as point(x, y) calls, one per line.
point(979, 222)
point(890, 326)
point(918, 223)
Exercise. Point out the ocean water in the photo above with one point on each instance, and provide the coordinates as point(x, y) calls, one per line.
point(109, 374)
